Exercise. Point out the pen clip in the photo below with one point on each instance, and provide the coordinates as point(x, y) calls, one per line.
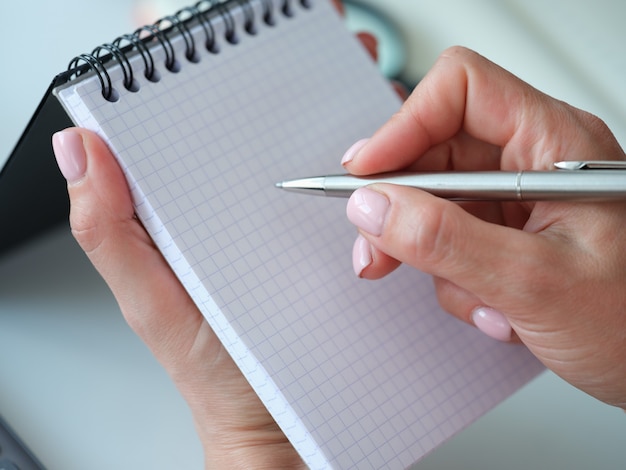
point(591, 165)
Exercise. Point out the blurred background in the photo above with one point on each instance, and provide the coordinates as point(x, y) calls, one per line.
point(85, 393)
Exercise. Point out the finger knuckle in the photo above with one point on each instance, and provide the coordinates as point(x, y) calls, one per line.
point(85, 230)
point(433, 244)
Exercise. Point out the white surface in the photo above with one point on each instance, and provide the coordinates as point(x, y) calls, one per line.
point(85, 393)
point(571, 50)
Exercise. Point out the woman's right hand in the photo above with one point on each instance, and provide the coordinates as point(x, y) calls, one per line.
point(551, 274)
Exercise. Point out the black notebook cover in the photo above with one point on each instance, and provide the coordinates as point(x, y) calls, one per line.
point(33, 194)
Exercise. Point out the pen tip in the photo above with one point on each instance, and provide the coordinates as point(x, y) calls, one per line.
point(279, 185)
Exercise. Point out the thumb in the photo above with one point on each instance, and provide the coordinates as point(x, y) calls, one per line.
point(490, 263)
point(103, 222)
point(100, 201)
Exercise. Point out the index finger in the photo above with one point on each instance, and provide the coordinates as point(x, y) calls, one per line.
point(465, 95)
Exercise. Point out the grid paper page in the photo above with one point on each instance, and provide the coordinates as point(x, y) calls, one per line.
point(358, 374)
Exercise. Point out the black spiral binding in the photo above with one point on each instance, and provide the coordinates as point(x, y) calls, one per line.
point(202, 13)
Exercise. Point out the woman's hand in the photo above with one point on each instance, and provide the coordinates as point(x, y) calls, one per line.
point(554, 272)
point(235, 428)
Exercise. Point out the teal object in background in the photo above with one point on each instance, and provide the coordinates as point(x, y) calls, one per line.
point(392, 54)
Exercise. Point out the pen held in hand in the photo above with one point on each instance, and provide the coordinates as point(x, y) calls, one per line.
point(561, 185)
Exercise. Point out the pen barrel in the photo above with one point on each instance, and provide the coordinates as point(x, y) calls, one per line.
point(573, 185)
point(458, 186)
point(559, 185)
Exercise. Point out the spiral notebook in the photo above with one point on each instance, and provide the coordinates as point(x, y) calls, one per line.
point(205, 111)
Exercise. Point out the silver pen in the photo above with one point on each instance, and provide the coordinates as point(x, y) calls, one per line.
point(572, 180)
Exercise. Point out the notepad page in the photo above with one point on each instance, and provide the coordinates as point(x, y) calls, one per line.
point(358, 374)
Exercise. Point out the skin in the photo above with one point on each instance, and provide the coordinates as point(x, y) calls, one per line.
point(466, 114)
point(556, 271)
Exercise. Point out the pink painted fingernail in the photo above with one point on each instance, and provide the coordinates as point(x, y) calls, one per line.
point(70, 154)
point(367, 209)
point(492, 323)
point(352, 151)
point(361, 255)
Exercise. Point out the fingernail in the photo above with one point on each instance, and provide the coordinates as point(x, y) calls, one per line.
point(367, 209)
point(70, 154)
point(492, 323)
point(361, 255)
point(352, 151)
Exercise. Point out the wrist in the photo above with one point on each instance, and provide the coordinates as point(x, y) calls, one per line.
point(236, 456)
point(234, 444)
